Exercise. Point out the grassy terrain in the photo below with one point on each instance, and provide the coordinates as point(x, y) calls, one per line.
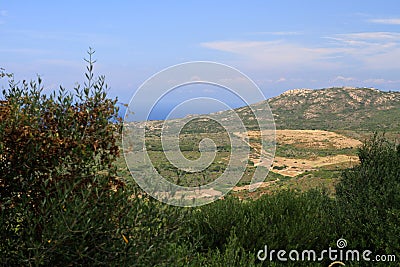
point(345, 117)
point(304, 159)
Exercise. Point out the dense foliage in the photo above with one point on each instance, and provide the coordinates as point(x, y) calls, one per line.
point(61, 201)
point(369, 198)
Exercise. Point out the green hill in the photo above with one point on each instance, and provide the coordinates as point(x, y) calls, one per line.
point(345, 108)
point(358, 109)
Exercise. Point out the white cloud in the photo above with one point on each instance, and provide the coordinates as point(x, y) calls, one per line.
point(374, 50)
point(370, 36)
point(376, 81)
point(380, 81)
point(195, 79)
point(362, 51)
point(273, 54)
point(392, 21)
point(366, 43)
point(233, 80)
point(236, 46)
point(344, 79)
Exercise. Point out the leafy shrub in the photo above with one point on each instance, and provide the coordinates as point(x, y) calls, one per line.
point(286, 220)
point(369, 198)
point(61, 201)
point(233, 254)
point(56, 163)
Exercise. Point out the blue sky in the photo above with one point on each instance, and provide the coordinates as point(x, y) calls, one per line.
point(281, 45)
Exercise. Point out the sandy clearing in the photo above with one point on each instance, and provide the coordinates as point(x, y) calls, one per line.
point(315, 138)
point(295, 167)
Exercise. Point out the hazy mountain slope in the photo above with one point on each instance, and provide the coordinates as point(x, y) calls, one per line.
point(356, 109)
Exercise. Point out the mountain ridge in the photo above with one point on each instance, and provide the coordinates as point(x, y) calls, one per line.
point(345, 108)
point(334, 108)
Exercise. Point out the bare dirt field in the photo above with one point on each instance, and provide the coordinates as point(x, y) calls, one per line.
point(294, 167)
point(315, 139)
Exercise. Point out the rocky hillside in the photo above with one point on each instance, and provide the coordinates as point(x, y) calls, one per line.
point(337, 108)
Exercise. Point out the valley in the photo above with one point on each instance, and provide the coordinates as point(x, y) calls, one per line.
point(316, 139)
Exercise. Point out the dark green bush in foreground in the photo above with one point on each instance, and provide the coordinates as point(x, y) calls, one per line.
point(368, 198)
point(61, 202)
point(286, 220)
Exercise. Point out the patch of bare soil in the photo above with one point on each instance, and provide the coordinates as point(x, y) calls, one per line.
point(294, 167)
point(315, 139)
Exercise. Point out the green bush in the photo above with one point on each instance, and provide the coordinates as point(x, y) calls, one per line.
point(56, 151)
point(233, 254)
point(369, 198)
point(286, 220)
point(61, 201)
